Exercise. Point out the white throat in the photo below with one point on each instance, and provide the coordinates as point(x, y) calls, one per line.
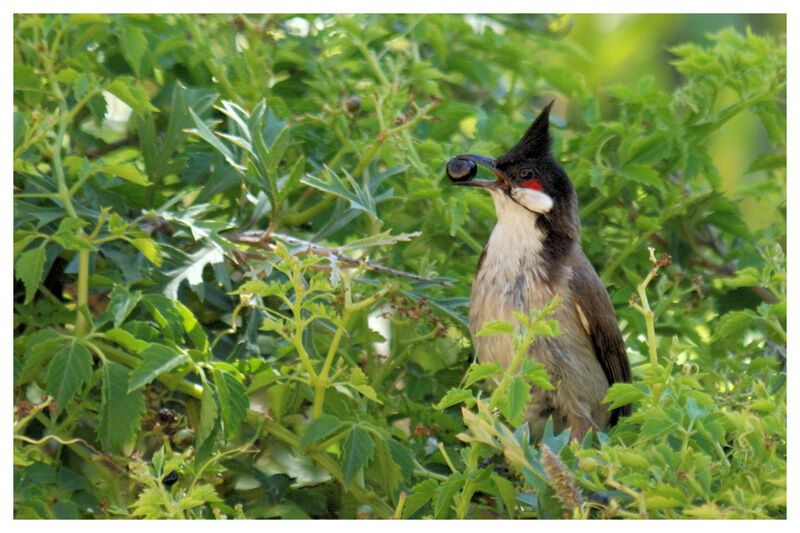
point(516, 239)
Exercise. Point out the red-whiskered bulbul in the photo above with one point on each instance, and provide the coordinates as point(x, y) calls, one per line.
point(534, 253)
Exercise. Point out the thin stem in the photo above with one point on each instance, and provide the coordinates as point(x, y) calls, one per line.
point(322, 379)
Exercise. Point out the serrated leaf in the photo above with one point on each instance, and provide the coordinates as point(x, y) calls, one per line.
point(120, 411)
point(359, 382)
point(262, 379)
point(318, 429)
point(134, 47)
point(536, 374)
point(205, 133)
point(39, 348)
point(125, 90)
point(495, 327)
point(70, 369)
point(128, 172)
point(290, 183)
point(482, 372)
point(199, 495)
point(655, 427)
point(620, 394)
point(456, 396)
point(421, 493)
point(277, 150)
point(30, 269)
point(357, 452)
point(148, 504)
point(380, 239)
point(519, 395)
point(150, 249)
point(208, 414)
point(233, 402)
point(647, 150)
point(444, 495)
point(166, 315)
point(507, 492)
point(193, 328)
point(404, 458)
point(192, 269)
point(126, 339)
point(388, 472)
point(735, 323)
point(121, 303)
point(156, 359)
point(359, 197)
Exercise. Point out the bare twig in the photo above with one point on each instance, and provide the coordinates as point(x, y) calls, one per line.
point(256, 239)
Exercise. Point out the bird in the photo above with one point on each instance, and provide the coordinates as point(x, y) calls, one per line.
point(533, 254)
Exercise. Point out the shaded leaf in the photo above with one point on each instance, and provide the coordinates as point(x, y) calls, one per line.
point(70, 369)
point(358, 450)
point(156, 359)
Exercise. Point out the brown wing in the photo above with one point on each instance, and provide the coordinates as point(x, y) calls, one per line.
point(598, 318)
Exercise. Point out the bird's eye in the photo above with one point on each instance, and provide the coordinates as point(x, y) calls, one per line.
point(526, 174)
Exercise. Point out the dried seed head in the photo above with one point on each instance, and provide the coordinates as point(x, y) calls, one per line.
point(561, 479)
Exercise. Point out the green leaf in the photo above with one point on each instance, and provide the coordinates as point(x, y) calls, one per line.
point(39, 348)
point(536, 374)
point(495, 327)
point(519, 395)
point(166, 315)
point(134, 47)
point(507, 493)
point(290, 183)
point(199, 495)
point(404, 458)
point(421, 493)
point(124, 89)
point(278, 149)
point(30, 269)
point(120, 410)
point(456, 396)
point(122, 303)
point(481, 372)
point(193, 328)
point(150, 249)
point(445, 493)
point(70, 369)
point(126, 339)
point(646, 150)
point(156, 359)
point(233, 401)
point(359, 382)
point(262, 379)
point(620, 394)
point(128, 172)
point(192, 269)
point(148, 504)
point(357, 452)
point(359, 197)
point(203, 131)
point(655, 426)
point(387, 471)
point(208, 413)
point(318, 429)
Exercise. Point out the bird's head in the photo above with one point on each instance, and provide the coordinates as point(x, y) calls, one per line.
point(529, 182)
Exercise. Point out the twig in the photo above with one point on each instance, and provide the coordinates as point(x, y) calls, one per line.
point(255, 238)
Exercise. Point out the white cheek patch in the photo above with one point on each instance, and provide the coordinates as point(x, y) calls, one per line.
point(536, 201)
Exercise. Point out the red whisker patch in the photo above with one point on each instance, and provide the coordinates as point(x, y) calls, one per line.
point(533, 184)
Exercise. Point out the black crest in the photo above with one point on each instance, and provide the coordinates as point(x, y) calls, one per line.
point(535, 143)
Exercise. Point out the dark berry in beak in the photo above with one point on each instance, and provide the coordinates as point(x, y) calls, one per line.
point(461, 169)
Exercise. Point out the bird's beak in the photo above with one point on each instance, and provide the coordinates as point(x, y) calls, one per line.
point(462, 170)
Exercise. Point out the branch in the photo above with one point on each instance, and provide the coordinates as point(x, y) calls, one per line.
point(254, 238)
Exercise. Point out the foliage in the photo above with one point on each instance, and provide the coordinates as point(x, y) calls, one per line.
point(196, 284)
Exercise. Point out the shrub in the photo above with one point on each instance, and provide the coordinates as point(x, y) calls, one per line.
point(196, 283)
